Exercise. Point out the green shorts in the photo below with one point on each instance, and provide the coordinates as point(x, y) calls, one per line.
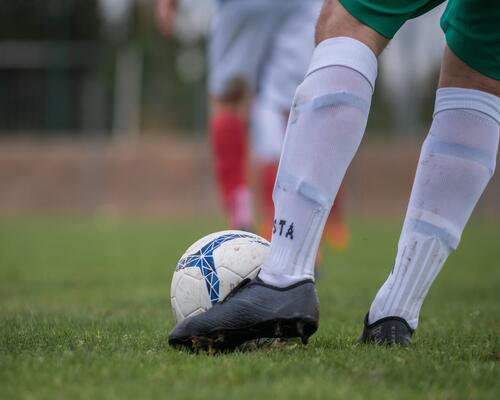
point(471, 27)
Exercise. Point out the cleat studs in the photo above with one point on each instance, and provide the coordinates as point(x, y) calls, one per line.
point(300, 328)
point(300, 331)
point(209, 346)
point(219, 339)
point(200, 343)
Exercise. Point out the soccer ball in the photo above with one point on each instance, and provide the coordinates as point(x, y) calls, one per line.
point(212, 267)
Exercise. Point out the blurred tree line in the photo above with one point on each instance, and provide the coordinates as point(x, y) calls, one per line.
point(101, 67)
point(65, 66)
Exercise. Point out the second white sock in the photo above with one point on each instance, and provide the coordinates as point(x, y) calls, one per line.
point(457, 161)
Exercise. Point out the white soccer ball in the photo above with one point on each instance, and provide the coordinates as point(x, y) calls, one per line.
point(212, 267)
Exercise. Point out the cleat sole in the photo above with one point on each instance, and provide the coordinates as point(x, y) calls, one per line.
point(258, 336)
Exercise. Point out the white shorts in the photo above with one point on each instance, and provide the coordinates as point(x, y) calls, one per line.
point(266, 43)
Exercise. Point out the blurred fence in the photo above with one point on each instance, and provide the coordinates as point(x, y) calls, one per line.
point(51, 86)
point(173, 177)
point(95, 67)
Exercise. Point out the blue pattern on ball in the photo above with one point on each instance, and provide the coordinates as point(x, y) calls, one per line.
point(204, 260)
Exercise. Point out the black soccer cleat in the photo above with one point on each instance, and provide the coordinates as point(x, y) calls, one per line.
point(253, 310)
point(388, 331)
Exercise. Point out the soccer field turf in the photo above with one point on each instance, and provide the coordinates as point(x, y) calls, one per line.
point(84, 313)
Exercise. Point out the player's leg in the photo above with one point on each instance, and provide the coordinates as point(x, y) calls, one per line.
point(228, 135)
point(233, 71)
point(325, 127)
point(456, 162)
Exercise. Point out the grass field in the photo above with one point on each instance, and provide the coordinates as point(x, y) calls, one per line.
point(84, 312)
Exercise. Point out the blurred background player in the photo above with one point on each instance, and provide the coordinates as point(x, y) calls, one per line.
point(258, 55)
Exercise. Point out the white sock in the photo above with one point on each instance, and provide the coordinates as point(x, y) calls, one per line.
point(457, 161)
point(326, 125)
